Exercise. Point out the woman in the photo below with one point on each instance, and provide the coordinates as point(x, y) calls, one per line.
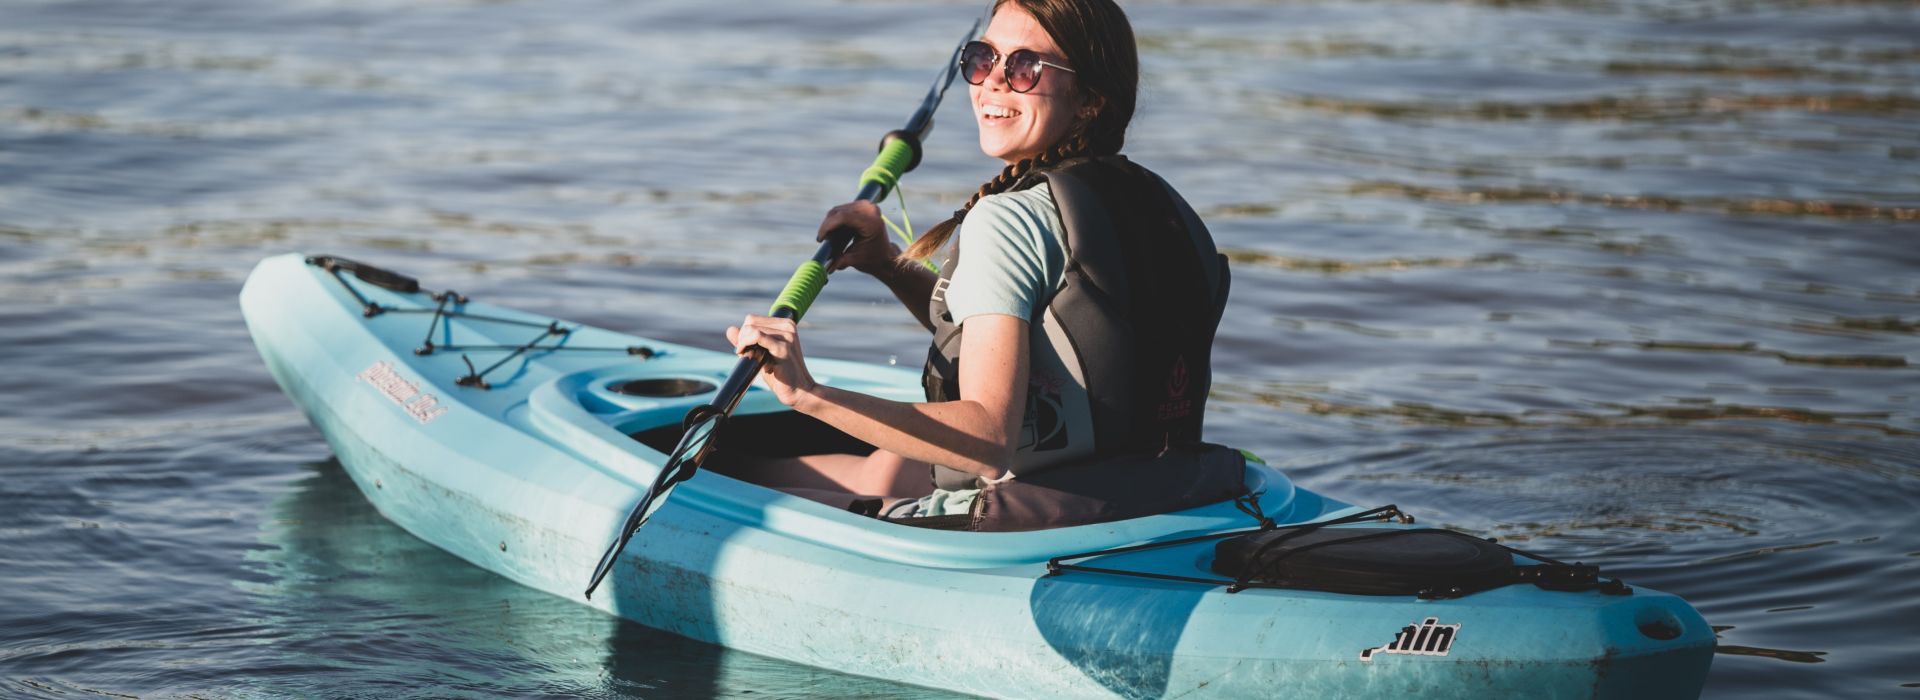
point(1081, 294)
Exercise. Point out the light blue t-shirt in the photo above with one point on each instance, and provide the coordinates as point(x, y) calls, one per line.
point(1012, 255)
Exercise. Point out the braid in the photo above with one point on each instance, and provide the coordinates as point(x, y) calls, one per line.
point(1010, 176)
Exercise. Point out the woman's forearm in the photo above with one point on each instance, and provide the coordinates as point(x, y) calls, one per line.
point(975, 434)
point(958, 434)
point(912, 284)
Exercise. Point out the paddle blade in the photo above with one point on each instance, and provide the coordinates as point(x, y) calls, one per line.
point(681, 466)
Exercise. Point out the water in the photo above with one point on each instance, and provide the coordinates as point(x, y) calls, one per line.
point(1627, 281)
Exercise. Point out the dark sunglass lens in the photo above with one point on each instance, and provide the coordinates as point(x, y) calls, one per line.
point(1023, 70)
point(975, 60)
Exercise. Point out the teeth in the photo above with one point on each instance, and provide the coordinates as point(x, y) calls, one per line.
point(996, 111)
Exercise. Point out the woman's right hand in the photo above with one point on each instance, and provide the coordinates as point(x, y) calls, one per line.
point(871, 251)
point(785, 371)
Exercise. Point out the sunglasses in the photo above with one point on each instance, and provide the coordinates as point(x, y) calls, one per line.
point(1023, 66)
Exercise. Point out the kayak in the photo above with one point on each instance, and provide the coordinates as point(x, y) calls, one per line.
point(518, 442)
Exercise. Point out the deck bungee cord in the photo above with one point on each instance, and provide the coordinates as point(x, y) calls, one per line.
point(1259, 558)
point(393, 281)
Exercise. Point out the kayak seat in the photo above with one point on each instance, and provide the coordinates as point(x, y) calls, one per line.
point(1106, 490)
point(777, 434)
point(1078, 493)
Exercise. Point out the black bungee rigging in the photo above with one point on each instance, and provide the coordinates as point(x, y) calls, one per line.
point(394, 281)
point(1428, 563)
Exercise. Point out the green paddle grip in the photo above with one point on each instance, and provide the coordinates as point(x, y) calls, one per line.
point(802, 287)
point(897, 156)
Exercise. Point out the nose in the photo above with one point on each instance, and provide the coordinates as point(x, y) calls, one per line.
point(997, 73)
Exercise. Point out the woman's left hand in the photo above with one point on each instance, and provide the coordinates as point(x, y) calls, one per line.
point(786, 369)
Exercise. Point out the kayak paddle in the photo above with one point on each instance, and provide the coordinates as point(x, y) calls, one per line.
point(899, 153)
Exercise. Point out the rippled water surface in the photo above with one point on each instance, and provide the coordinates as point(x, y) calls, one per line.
point(1635, 282)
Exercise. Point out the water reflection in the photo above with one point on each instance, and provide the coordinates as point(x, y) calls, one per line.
point(353, 604)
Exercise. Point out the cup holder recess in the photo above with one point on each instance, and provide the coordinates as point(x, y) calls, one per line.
point(662, 388)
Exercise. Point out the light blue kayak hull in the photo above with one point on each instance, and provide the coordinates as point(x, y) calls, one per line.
point(531, 477)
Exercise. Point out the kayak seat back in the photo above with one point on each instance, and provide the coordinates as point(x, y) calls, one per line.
point(1082, 493)
point(1097, 491)
point(1113, 488)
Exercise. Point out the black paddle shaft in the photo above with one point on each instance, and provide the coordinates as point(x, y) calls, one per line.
point(900, 152)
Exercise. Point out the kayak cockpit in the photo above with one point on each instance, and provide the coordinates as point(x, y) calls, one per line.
point(625, 418)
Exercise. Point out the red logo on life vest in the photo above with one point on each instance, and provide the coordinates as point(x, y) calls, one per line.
point(1177, 405)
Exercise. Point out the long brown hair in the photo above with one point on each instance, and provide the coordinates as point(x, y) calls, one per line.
point(1098, 41)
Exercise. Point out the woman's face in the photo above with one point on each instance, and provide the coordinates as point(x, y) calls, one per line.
point(1018, 125)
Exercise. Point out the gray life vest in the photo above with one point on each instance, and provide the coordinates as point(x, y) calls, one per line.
point(1131, 324)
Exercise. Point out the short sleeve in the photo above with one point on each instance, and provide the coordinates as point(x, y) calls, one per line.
point(1010, 256)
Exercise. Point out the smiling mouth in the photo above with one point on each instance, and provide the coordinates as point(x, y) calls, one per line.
point(993, 114)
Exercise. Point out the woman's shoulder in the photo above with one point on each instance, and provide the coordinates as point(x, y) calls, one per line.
point(1027, 214)
point(1026, 218)
point(1010, 255)
point(1033, 203)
